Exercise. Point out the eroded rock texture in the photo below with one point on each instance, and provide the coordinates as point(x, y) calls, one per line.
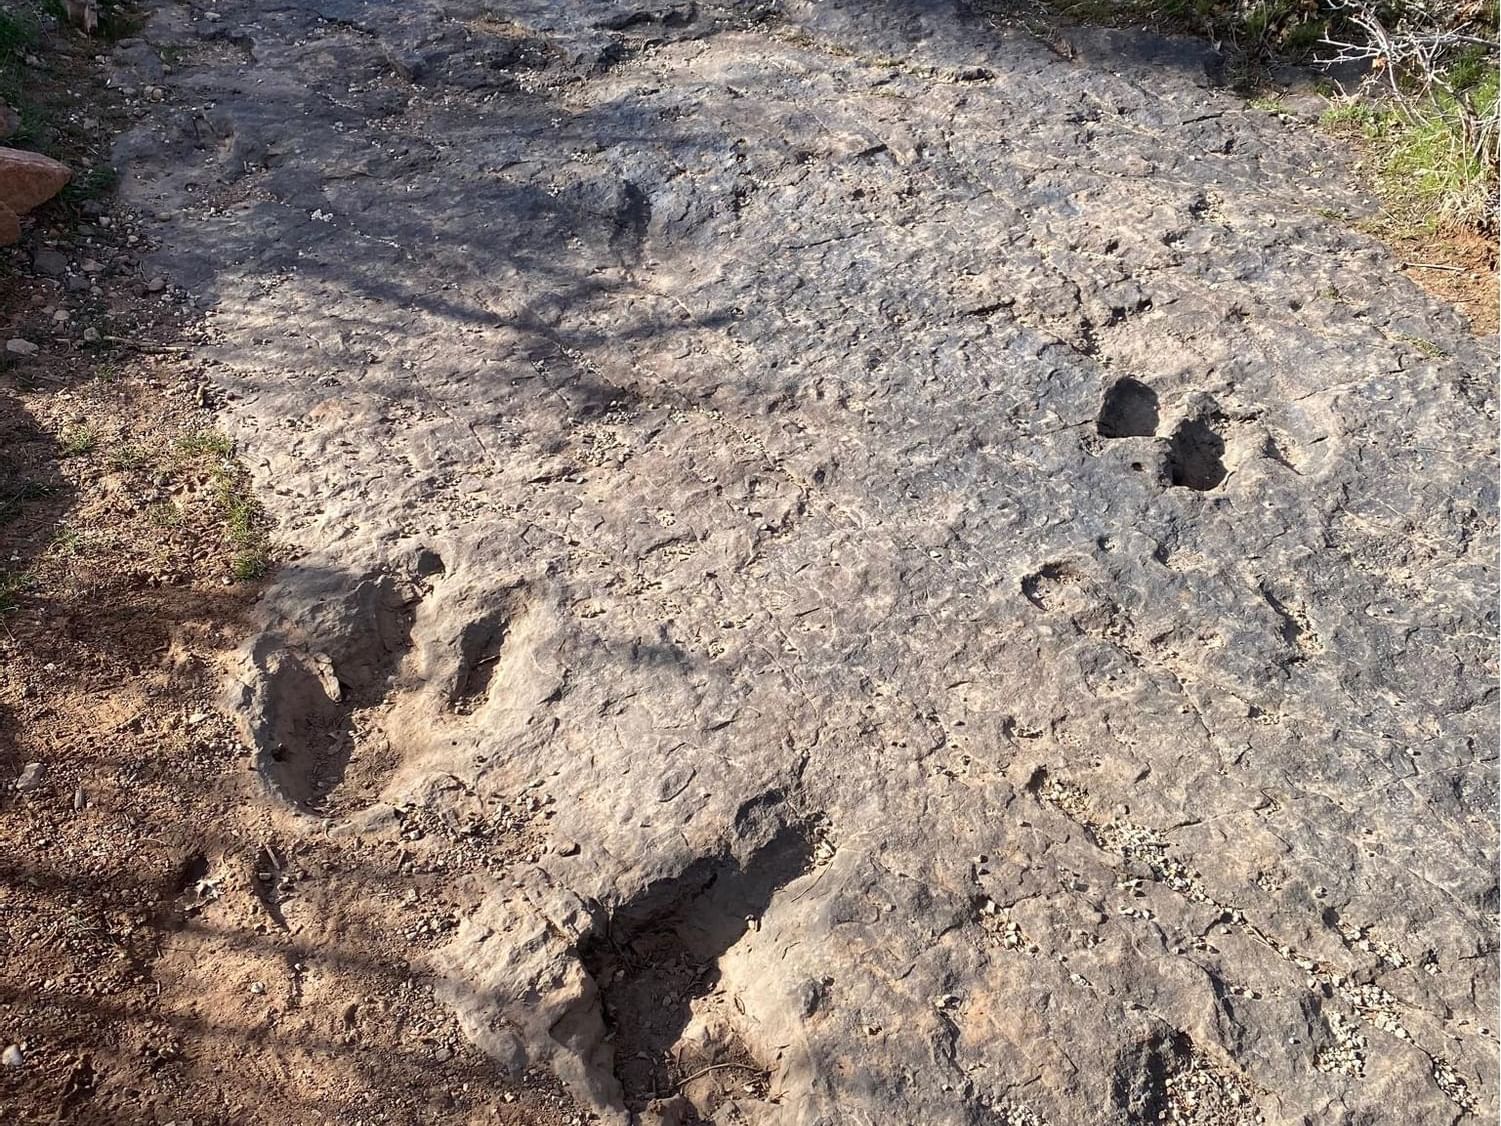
point(991, 582)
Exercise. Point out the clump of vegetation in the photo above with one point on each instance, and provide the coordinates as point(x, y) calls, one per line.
point(76, 441)
point(11, 585)
point(1429, 106)
point(32, 27)
point(92, 183)
point(20, 30)
point(1251, 31)
point(245, 524)
point(203, 443)
point(1430, 167)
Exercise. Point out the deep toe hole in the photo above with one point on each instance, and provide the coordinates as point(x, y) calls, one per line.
point(1195, 456)
point(1129, 410)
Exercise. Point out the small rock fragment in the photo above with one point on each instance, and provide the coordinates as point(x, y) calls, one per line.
point(12, 1056)
point(53, 263)
point(17, 346)
point(31, 776)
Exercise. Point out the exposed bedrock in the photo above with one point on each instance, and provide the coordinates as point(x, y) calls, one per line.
point(991, 584)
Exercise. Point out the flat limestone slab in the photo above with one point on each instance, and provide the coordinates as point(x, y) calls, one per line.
point(988, 579)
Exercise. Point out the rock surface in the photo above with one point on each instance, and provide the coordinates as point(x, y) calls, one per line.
point(26, 179)
point(995, 583)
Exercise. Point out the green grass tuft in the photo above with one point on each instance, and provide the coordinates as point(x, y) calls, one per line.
point(251, 565)
point(204, 443)
point(129, 456)
point(20, 31)
point(12, 584)
point(93, 183)
point(1428, 169)
point(76, 441)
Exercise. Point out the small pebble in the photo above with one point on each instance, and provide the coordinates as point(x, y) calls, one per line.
point(80, 799)
point(16, 346)
point(12, 1056)
point(156, 285)
point(31, 776)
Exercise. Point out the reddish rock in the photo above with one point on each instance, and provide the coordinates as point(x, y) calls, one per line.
point(26, 179)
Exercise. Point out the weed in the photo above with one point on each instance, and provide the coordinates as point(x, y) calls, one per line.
point(128, 456)
point(250, 565)
point(19, 32)
point(245, 528)
point(12, 584)
point(93, 183)
point(241, 513)
point(244, 524)
point(1252, 33)
point(1427, 170)
point(165, 514)
point(1350, 116)
point(1424, 346)
point(203, 443)
point(1432, 165)
point(76, 441)
point(67, 543)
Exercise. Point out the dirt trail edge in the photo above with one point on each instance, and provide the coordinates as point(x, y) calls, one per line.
point(980, 589)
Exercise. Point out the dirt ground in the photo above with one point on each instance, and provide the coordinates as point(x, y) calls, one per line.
point(157, 931)
point(168, 956)
point(1459, 266)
